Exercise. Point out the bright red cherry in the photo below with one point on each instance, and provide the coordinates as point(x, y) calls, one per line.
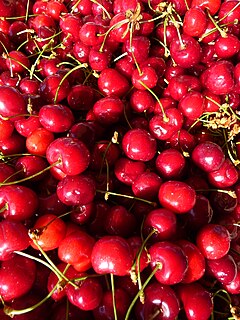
point(12, 102)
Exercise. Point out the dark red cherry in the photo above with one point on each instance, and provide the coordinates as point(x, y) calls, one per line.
point(147, 185)
point(226, 176)
point(177, 196)
point(160, 302)
point(208, 156)
point(81, 97)
point(139, 144)
point(192, 105)
point(17, 276)
point(12, 103)
point(111, 82)
point(127, 170)
point(88, 294)
point(145, 79)
point(213, 240)
point(181, 84)
point(112, 254)
point(234, 286)
point(70, 155)
point(76, 190)
point(108, 110)
point(53, 89)
point(197, 301)
point(171, 261)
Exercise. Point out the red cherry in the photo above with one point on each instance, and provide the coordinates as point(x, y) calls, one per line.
point(208, 156)
point(76, 249)
point(138, 144)
point(73, 154)
point(177, 196)
point(17, 62)
point(194, 22)
point(127, 170)
point(226, 176)
point(192, 105)
point(112, 254)
point(145, 79)
point(212, 6)
point(213, 240)
point(226, 47)
point(38, 141)
point(108, 110)
point(76, 190)
point(12, 103)
point(172, 262)
point(50, 230)
point(111, 82)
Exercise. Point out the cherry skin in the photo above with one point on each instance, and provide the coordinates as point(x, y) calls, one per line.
point(171, 260)
point(28, 166)
point(38, 141)
point(53, 90)
point(76, 249)
point(146, 185)
point(17, 277)
point(227, 47)
point(12, 102)
point(160, 301)
point(138, 144)
point(112, 254)
point(177, 196)
point(213, 240)
point(226, 176)
point(194, 22)
point(181, 84)
point(196, 261)
point(13, 236)
point(111, 82)
point(108, 110)
point(141, 100)
point(223, 269)
point(76, 190)
point(146, 79)
point(17, 61)
point(127, 170)
point(56, 118)
point(170, 164)
point(196, 300)
point(163, 221)
point(6, 129)
point(48, 231)
point(234, 286)
point(191, 105)
point(88, 294)
point(17, 202)
point(74, 155)
point(26, 126)
point(208, 156)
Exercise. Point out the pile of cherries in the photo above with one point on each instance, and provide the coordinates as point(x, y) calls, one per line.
point(119, 159)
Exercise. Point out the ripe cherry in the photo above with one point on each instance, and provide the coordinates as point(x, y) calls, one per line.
point(147, 185)
point(111, 82)
point(177, 196)
point(12, 103)
point(226, 176)
point(127, 170)
point(213, 240)
point(112, 254)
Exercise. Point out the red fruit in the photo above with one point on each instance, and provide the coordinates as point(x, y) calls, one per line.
point(213, 240)
point(194, 22)
point(225, 176)
point(112, 254)
point(147, 185)
point(17, 202)
point(38, 141)
point(171, 260)
point(197, 301)
point(223, 269)
point(49, 230)
point(145, 79)
point(138, 144)
point(127, 170)
point(111, 82)
point(177, 196)
point(208, 156)
point(212, 6)
point(68, 155)
point(17, 276)
point(12, 103)
point(17, 62)
point(108, 110)
point(192, 105)
point(76, 249)
point(227, 47)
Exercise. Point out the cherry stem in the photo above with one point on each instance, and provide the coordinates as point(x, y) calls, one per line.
point(222, 33)
point(103, 8)
point(30, 177)
point(230, 193)
point(230, 11)
point(107, 193)
point(165, 118)
point(113, 296)
point(140, 292)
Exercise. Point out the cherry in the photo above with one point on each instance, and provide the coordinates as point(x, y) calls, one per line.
point(196, 261)
point(112, 254)
point(185, 52)
point(213, 240)
point(160, 302)
point(17, 277)
point(197, 301)
point(13, 237)
point(229, 11)
point(76, 249)
point(234, 285)
point(127, 170)
point(146, 185)
point(177, 196)
point(12, 103)
point(76, 190)
point(142, 100)
point(225, 176)
point(38, 141)
point(226, 47)
point(85, 131)
point(182, 140)
point(208, 156)
point(170, 164)
point(28, 166)
point(53, 89)
point(104, 154)
point(192, 105)
point(111, 82)
point(180, 85)
point(7, 128)
point(163, 222)
point(147, 78)
point(137, 48)
point(48, 231)
point(88, 294)
point(90, 34)
point(138, 144)
point(56, 118)
point(55, 9)
point(118, 217)
point(194, 22)
point(108, 110)
point(68, 155)
point(223, 269)
point(17, 202)
point(17, 62)
point(171, 260)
